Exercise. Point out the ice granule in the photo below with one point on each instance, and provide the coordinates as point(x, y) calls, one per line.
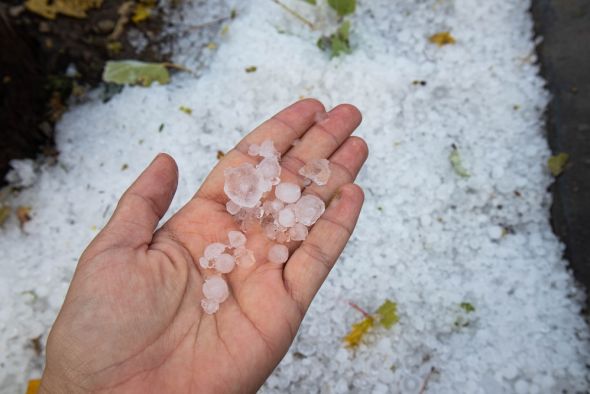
point(318, 171)
point(298, 232)
point(224, 263)
point(244, 257)
point(244, 185)
point(236, 239)
point(270, 169)
point(273, 207)
point(286, 217)
point(232, 208)
point(213, 250)
point(209, 306)
point(215, 288)
point(308, 209)
point(278, 254)
point(288, 192)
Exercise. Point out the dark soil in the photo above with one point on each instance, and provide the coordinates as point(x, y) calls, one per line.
point(35, 54)
point(565, 61)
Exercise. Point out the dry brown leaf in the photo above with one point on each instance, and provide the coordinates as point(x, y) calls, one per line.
point(23, 214)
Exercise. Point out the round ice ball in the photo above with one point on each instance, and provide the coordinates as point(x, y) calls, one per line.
point(288, 192)
point(244, 185)
point(278, 254)
point(209, 306)
point(224, 263)
point(236, 239)
point(215, 288)
point(213, 250)
point(308, 209)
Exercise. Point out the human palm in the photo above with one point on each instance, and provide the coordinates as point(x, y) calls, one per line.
point(132, 320)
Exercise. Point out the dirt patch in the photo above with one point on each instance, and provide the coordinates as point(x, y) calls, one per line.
point(44, 61)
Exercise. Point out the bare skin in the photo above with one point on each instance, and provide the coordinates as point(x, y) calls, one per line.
point(132, 321)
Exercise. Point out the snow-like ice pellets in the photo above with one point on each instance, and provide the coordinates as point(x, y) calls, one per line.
point(213, 250)
point(288, 192)
point(215, 288)
point(318, 171)
point(308, 209)
point(224, 263)
point(236, 239)
point(244, 185)
point(209, 306)
point(278, 254)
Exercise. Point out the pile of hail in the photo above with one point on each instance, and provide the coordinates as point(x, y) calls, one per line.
point(282, 215)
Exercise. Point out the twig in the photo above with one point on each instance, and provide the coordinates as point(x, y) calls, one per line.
point(361, 310)
point(295, 14)
point(209, 23)
point(425, 382)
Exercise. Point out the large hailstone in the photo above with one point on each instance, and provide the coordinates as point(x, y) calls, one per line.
point(318, 171)
point(244, 185)
point(215, 288)
point(288, 192)
point(278, 254)
point(308, 209)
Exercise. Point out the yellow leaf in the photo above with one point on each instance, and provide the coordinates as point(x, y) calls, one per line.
point(142, 11)
point(359, 329)
point(557, 163)
point(51, 8)
point(211, 45)
point(33, 386)
point(442, 38)
point(186, 110)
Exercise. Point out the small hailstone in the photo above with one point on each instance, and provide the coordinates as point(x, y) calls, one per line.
point(244, 257)
point(298, 232)
point(215, 288)
point(273, 207)
point(209, 306)
point(308, 209)
point(205, 263)
point(288, 192)
point(244, 185)
point(270, 230)
point(278, 254)
point(253, 149)
point(286, 217)
point(232, 207)
point(267, 149)
point(282, 236)
point(317, 170)
point(213, 250)
point(236, 239)
point(224, 263)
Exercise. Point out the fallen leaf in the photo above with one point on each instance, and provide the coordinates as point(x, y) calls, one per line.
point(51, 8)
point(186, 110)
point(114, 47)
point(455, 160)
point(142, 11)
point(5, 211)
point(23, 214)
point(220, 155)
point(37, 345)
point(467, 307)
point(442, 38)
point(211, 45)
point(33, 386)
point(358, 331)
point(557, 163)
point(388, 314)
point(124, 167)
point(251, 69)
point(313, 2)
point(343, 7)
point(133, 72)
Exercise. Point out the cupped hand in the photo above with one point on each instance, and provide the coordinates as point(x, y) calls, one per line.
point(132, 319)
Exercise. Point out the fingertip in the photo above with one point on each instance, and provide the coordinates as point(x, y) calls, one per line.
point(350, 112)
point(352, 193)
point(360, 146)
point(311, 104)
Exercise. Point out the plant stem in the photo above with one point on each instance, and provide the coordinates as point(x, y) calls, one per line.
point(295, 14)
point(361, 310)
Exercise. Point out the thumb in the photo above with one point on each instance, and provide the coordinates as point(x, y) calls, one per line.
point(141, 207)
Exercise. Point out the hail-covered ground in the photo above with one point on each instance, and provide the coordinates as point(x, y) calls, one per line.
point(428, 238)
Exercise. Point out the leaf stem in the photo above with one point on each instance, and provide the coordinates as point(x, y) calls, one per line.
point(295, 14)
point(361, 310)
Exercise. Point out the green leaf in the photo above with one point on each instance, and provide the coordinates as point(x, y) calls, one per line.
point(134, 72)
point(455, 160)
point(312, 2)
point(467, 307)
point(5, 211)
point(343, 7)
point(337, 43)
point(557, 163)
point(388, 314)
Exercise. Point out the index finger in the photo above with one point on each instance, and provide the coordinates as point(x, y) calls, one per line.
point(283, 129)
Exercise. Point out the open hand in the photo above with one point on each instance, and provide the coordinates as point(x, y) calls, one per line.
point(132, 319)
